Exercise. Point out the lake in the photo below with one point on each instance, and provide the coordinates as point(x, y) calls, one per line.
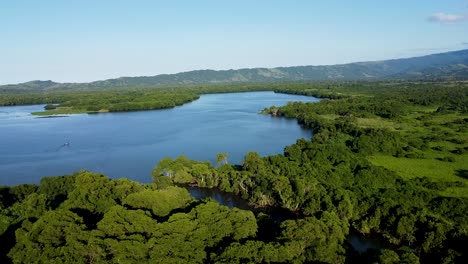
point(130, 144)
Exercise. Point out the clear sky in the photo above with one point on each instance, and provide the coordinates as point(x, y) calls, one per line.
point(87, 40)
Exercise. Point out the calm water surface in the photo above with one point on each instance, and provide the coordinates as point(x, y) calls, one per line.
point(130, 144)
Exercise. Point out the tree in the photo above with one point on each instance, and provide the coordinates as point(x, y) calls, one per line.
point(203, 174)
point(55, 236)
point(316, 240)
point(253, 162)
point(388, 256)
point(159, 202)
point(93, 192)
point(283, 188)
point(222, 158)
point(56, 189)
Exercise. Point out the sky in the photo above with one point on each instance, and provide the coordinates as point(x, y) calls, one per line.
point(88, 40)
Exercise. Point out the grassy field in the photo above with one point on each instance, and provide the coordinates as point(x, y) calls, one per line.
point(442, 134)
point(377, 123)
point(435, 170)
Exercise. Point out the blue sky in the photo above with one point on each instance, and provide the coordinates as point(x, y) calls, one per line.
point(78, 41)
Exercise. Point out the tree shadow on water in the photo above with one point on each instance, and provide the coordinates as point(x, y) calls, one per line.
point(462, 173)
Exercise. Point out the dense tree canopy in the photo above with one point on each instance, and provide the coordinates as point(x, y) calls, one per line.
point(105, 220)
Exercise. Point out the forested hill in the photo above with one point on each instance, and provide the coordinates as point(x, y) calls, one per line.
point(445, 66)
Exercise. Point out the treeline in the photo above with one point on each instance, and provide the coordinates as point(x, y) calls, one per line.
point(109, 101)
point(120, 100)
point(149, 98)
point(88, 218)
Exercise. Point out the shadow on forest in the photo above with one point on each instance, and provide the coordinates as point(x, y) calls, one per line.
point(7, 241)
point(462, 173)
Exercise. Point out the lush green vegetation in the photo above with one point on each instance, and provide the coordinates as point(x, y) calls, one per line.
point(108, 101)
point(417, 130)
point(387, 160)
point(119, 100)
point(87, 218)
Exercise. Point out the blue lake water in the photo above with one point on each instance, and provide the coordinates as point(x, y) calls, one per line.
point(130, 144)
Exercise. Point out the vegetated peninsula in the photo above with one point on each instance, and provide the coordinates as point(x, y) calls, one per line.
point(387, 162)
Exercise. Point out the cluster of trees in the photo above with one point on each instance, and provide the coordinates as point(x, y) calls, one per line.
point(88, 218)
point(320, 180)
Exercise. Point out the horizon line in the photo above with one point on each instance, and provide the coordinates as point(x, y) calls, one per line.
point(232, 69)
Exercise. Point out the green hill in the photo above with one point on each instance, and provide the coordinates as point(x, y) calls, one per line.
point(444, 66)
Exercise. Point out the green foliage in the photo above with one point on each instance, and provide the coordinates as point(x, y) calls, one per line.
point(121, 223)
point(388, 257)
point(20, 192)
point(92, 192)
point(222, 158)
point(56, 189)
point(255, 252)
point(159, 202)
point(55, 236)
point(130, 98)
point(316, 240)
point(162, 226)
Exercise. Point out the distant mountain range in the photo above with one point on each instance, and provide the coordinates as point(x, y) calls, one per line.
point(444, 66)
